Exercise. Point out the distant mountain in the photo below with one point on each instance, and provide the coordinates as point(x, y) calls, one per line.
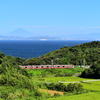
point(20, 32)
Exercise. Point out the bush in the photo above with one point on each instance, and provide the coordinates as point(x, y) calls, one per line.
point(56, 94)
point(72, 87)
point(92, 72)
point(76, 87)
point(58, 87)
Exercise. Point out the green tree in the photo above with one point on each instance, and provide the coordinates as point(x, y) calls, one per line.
point(32, 61)
point(19, 60)
point(92, 72)
point(64, 60)
point(74, 87)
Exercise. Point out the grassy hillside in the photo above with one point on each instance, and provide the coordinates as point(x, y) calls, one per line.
point(86, 53)
point(21, 84)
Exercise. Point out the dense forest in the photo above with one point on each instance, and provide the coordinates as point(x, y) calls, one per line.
point(84, 54)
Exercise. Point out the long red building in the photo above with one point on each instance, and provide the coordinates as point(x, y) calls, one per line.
point(46, 66)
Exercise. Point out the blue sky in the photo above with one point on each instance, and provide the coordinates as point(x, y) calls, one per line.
point(50, 17)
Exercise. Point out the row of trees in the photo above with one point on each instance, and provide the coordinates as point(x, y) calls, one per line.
point(40, 61)
point(72, 87)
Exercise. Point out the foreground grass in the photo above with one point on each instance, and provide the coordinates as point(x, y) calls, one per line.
point(86, 96)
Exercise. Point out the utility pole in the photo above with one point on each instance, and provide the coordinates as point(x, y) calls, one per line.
point(80, 62)
point(57, 60)
point(84, 62)
point(52, 63)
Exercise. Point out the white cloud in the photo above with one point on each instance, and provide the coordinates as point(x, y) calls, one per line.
point(16, 26)
point(98, 27)
point(35, 26)
point(81, 28)
point(97, 21)
point(14, 21)
point(5, 7)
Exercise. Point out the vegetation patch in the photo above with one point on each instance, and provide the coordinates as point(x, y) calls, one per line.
point(52, 92)
point(54, 72)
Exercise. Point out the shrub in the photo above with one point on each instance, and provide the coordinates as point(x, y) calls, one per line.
point(74, 87)
point(58, 87)
point(56, 94)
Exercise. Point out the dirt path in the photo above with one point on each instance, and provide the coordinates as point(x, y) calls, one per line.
point(51, 91)
point(79, 81)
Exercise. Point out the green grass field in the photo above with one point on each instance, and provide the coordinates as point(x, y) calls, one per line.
point(86, 96)
point(65, 79)
point(92, 86)
point(54, 72)
point(95, 86)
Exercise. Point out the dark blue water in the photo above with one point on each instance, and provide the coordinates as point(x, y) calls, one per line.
point(28, 49)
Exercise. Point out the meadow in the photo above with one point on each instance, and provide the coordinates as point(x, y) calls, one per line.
point(86, 96)
point(54, 72)
point(65, 80)
point(93, 88)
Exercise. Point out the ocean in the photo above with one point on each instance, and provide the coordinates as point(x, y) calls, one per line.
point(28, 48)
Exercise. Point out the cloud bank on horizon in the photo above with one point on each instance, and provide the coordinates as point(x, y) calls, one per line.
point(54, 18)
